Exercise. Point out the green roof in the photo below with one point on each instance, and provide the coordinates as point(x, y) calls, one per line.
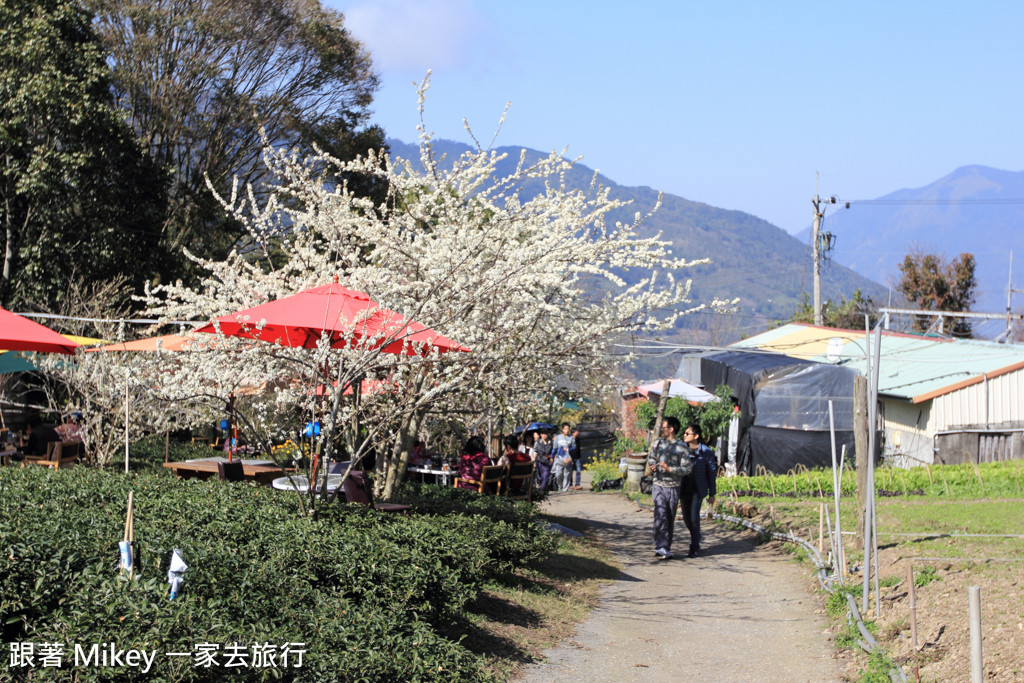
point(912, 367)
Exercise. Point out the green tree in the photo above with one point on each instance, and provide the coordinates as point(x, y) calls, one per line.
point(713, 417)
point(205, 82)
point(848, 314)
point(932, 283)
point(77, 195)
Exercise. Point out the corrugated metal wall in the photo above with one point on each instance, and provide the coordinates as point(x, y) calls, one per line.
point(997, 401)
point(908, 435)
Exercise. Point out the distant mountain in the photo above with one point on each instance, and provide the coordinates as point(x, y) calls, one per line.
point(763, 265)
point(974, 209)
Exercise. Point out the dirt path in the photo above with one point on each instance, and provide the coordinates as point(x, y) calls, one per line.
point(740, 612)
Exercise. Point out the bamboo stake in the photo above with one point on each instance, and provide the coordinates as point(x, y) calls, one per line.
point(821, 528)
point(128, 517)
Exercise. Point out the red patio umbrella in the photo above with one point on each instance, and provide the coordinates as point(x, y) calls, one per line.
point(18, 333)
point(350, 317)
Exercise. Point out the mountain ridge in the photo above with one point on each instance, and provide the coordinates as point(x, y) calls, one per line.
point(762, 264)
point(975, 209)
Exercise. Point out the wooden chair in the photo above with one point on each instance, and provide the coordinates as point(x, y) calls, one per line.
point(519, 484)
point(58, 454)
point(357, 490)
point(231, 471)
point(491, 479)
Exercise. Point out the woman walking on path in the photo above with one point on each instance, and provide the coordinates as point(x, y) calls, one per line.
point(542, 456)
point(698, 484)
point(577, 460)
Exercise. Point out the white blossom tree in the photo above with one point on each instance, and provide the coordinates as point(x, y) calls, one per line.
point(529, 282)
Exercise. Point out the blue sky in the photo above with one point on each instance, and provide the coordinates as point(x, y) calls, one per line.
point(736, 104)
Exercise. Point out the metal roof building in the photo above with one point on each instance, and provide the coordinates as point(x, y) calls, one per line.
point(941, 400)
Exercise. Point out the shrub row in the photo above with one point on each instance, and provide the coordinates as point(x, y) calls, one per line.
point(954, 481)
point(364, 592)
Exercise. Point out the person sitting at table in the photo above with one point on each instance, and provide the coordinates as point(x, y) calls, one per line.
point(510, 453)
point(474, 460)
point(72, 429)
point(37, 435)
point(419, 456)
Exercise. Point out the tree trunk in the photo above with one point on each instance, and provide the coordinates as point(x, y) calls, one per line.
point(662, 402)
point(860, 441)
point(402, 452)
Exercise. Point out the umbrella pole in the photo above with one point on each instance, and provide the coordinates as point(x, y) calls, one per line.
point(126, 416)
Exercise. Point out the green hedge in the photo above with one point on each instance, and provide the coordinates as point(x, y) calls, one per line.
point(365, 592)
point(996, 479)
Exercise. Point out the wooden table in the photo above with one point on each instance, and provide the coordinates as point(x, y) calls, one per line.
point(263, 471)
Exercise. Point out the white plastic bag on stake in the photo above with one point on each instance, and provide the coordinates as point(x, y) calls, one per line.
point(176, 571)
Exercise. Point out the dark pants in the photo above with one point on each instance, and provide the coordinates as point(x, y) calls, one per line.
point(691, 516)
point(665, 501)
point(543, 470)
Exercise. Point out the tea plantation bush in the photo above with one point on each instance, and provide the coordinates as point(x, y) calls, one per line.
point(364, 592)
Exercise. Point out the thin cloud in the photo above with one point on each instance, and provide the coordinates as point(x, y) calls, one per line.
point(416, 35)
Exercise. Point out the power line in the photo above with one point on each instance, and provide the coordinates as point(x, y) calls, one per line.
point(937, 202)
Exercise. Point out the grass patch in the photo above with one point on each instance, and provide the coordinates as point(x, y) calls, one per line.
point(798, 552)
point(878, 667)
point(889, 581)
point(925, 575)
point(836, 603)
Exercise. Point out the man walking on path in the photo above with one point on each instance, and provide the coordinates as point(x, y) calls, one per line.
point(669, 462)
point(562, 451)
point(698, 484)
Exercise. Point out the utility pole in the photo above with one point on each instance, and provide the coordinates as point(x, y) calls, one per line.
point(816, 253)
point(816, 247)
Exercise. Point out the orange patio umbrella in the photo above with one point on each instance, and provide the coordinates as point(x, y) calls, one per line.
point(349, 317)
point(166, 342)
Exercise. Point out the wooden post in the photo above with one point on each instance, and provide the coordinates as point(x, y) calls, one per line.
point(662, 402)
point(913, 606)
point(860, 440)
